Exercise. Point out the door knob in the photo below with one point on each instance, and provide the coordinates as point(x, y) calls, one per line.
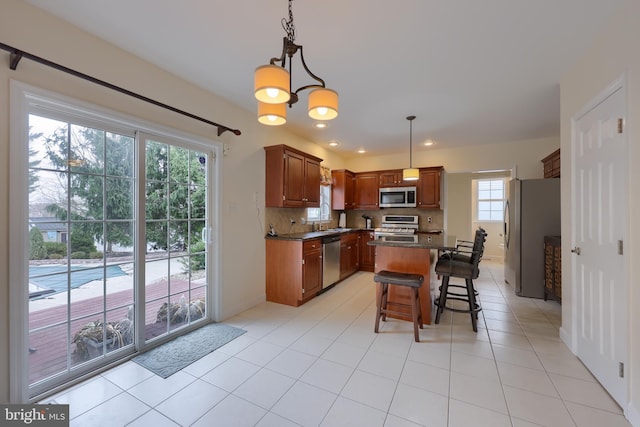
point(576, 250)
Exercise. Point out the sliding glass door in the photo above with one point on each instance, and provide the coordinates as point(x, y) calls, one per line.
point(176, 257)
point(81, 240)
point(118, 233)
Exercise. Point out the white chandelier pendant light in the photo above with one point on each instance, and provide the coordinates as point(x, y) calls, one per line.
point(272, 85)
point(272, 114)
point(411, 173)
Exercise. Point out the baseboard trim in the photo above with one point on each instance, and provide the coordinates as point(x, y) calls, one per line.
point(565, 337)
point(242, 307)
point(633, 415)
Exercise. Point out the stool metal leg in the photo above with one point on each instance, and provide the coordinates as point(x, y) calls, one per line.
point(379, 308)
point(385, 296)
point(415, 310)
point(420, 319)
point(442, 299)
point(472, 305)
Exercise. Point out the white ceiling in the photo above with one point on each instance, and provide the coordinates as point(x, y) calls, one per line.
point(473, 72)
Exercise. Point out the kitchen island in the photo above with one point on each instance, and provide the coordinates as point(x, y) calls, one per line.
point(411, 257)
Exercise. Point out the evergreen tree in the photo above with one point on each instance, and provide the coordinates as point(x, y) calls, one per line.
point(176, 179)
point(101, 167)
point(102, 172)
point(33, 163)
point(36, 244)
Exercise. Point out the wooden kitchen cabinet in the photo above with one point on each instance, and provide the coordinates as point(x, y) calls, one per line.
point(311, 268)
point(391, 178)
point(366, 191)
point(552, 268)
point(293, 270)
point(428, 188)
point(552, 165)
point(342, 189)
point(349, 254)
point(292, 178)
point(367, 252)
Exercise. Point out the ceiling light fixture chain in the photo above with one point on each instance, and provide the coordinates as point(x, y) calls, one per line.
point(288, 26)
point(272, 84)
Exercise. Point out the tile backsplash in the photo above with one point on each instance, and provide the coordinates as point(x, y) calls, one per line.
point(355, 219)
point(280, 218)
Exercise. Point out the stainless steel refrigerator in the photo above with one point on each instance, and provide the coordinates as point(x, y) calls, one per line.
point(532, 211)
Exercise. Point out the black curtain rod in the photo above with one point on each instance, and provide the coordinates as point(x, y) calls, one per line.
point(17, 55)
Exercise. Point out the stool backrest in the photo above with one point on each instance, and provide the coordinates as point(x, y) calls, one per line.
point(478, 249)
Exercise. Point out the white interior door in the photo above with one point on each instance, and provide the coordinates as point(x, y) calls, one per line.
point(599, 218)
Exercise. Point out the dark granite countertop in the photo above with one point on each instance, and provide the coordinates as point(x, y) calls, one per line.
point(440, 241)
point(313, 234)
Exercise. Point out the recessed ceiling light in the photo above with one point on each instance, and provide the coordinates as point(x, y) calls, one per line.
point(362, 150)
point(320, 125)
point(429, 142)
point(333, 143)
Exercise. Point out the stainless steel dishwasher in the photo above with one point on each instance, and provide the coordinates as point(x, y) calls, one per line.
point(330, 260)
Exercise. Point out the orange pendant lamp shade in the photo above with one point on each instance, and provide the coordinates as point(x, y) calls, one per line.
point(323, 104)
point(272, 114)
point(271, 84)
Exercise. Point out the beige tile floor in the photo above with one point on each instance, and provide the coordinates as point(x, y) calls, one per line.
point(322, 365)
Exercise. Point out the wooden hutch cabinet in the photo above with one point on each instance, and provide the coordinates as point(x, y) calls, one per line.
point(552, 268)
point(292, 178)
point(429, 188)
point(552, 165)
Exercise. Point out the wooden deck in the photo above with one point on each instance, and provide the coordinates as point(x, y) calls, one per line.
point(48, 346)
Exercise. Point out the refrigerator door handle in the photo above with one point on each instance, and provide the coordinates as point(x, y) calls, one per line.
point(507, 234)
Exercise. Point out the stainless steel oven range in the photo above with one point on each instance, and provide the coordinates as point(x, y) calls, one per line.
point(398, 228)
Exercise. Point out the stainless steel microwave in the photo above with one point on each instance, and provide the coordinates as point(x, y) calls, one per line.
point(398, 197)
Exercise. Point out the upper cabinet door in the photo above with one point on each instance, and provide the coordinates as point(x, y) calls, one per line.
point(312, 183)
point(391, 178)
point(366, 191)
point(294, 182)
point(342, 190)
point(429, 188)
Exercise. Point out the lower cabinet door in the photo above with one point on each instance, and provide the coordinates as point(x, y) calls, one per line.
point(312, 273)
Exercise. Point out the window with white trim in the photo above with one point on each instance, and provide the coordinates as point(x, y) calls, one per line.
point(323, 213)
point(490, 199)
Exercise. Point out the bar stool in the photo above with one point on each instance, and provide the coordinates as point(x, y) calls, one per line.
point(464, 267)
point(413, 281)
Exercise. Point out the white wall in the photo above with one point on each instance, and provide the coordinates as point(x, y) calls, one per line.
point(613, 54)
point(526, 155)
